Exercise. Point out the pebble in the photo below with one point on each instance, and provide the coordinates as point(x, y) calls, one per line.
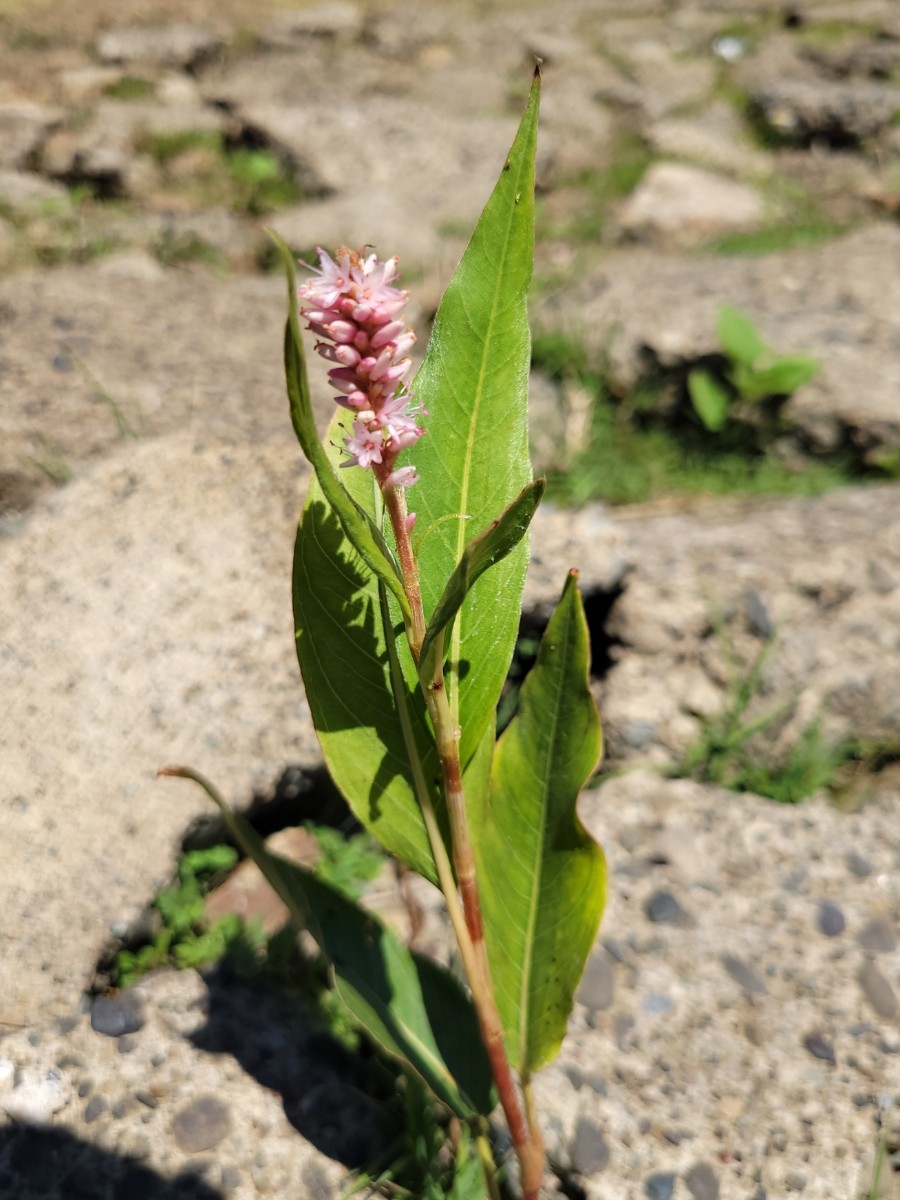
point(231, 1178)
point(659, 1186)
point(702, 1182)
point(201, 1125)
point(743, 974)
point(36, 1098)
point(597, 990)
point(878, 935)
point(819, 1047)
point(590, 1149)
point(878, 991)
point(857, 865)
point(114, 1016)
point(656, 1003)
point(676, 1136)
point(95, 1108)
point(7, 1073)
point(663, 908)
point(757, 615)
point(830, 919)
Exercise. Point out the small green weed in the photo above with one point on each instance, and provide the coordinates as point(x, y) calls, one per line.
point(640, 447)
point(131, 87)
point(100, 395)
point(597, 190)
point(175, 249)
point(248, 180)
point(754, 373)
point(728, 753)
point(261, 181)
point(426, 1160)
point(774, 239)
point(163, 148)
point(185, 940)
point(51, 462)
point(834, 32)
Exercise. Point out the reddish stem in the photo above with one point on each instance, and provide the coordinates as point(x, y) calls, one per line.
point(525, 1134)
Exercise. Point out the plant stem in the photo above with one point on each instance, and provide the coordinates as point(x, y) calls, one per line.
point(469, 931)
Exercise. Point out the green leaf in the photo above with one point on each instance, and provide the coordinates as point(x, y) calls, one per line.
point(542, 877)
point(357, 525)
point(412, 1007)
point(343, 655)
point(710, 399)
point(782, 378)
point(488, 548)
point(474, 460)
point(738, 336)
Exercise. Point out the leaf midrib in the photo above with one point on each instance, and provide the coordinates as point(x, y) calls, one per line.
point(456, 638)
point(537, 872)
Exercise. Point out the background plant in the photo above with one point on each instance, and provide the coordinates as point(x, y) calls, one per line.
point(754, 375)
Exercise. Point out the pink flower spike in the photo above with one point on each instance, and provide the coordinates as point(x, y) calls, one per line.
point(410, 522)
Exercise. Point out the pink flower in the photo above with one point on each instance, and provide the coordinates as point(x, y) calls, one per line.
point(364, 447)
point(355, 309)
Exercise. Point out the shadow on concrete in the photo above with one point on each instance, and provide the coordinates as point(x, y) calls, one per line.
point(51, 1164)
point(336, 1099)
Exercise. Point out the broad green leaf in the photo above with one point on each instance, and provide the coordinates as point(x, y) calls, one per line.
point(358, 527)
point(474, 460)
point(710, 399)
point(412, 1007)
point(542, 878)
point(488, 548)
point(343, 654)
point(738, 336)
point(781, 378)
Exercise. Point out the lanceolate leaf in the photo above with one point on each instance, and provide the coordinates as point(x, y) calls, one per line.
point(488, 548)
point(542, 878)
point(473, 461)
point(364, 535)
point(711, 400)
point(408, 1004)
point(738, 336)
point(344, 661)
point(780, 378)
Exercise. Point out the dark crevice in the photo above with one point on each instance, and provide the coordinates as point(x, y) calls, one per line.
point(598, 610)
point(567, 1184)
point(598, 606)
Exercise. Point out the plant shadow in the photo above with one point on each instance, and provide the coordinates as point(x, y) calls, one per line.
point(40, 1163)
point(279, 1040)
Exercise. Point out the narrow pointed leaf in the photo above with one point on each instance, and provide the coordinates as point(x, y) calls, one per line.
point(738, 336)
point(473, 461)
point(488, 548)
point(358, 527)
point(710, 399)
point(781, 378)
point(412, 1007)
point(343, 655)
point(542, 877)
